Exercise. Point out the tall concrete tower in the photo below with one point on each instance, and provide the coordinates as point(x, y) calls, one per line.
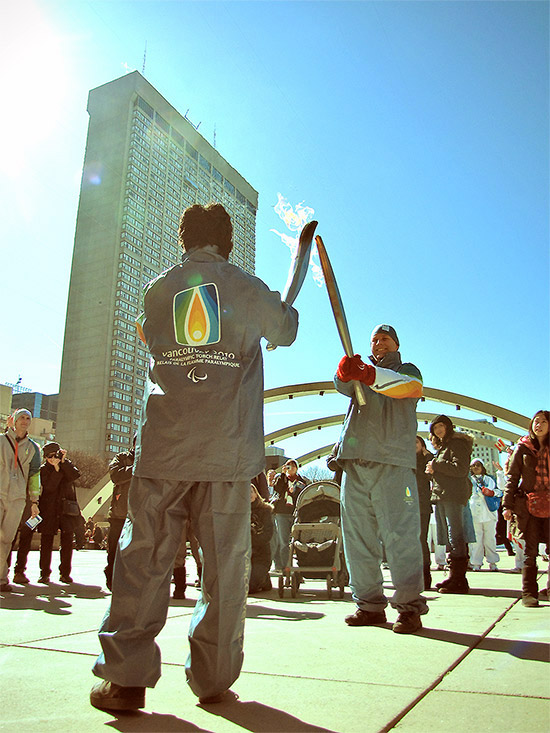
point(144, 164)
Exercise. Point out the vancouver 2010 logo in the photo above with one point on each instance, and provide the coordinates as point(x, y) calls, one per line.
point(197, 316)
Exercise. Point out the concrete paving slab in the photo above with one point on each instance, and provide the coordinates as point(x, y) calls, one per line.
point(456, 712)
point(304, 669)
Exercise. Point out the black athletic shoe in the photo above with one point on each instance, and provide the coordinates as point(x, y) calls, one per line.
point(107, 695)
point(408, 622)
point(366, 618)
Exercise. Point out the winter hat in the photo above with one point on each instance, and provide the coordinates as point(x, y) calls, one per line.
point(384, 328)
point(445, 420)
point(21, 411)
point(475, 462)
point(50, 449)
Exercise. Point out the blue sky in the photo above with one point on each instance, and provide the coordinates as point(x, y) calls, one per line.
point(417, 131)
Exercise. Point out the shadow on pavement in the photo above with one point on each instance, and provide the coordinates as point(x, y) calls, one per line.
point(50, 598)
point(152, 723)
point(531, 650)
point(279, 614)
point(252, 716)
point(259, 718)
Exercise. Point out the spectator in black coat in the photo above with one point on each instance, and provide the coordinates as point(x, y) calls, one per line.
point(424, 484)
point(58, 509)
point(120, 473)
point(261, 528)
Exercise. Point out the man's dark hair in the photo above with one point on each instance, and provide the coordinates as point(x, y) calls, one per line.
point(204, 225)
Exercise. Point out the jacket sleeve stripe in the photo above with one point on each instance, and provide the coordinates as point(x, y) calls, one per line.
point(398, 386)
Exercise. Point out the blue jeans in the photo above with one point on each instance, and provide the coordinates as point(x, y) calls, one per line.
point(283, 525)
point(451, 515)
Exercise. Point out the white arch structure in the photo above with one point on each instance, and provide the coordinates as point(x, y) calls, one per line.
point(487, 409)
point(102, 491)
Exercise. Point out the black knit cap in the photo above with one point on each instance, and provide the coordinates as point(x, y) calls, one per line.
point(385, 328)
point(445, 420)
point(50, 449)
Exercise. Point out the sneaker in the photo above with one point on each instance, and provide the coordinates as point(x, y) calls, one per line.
point(543, 594)
point(65, 579)
point(493, 567)
point(5, 588)
point(529, 601)
point(475, 568)
point(366, 618)
point(407, 623)
point(515, 570)
point(20, 578)
point(107, 695)
point(44, 579)
point(440, 567)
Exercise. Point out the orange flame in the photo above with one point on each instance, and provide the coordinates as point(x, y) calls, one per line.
point(197, 323)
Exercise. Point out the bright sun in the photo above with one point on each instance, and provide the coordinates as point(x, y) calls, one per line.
point(35, 88)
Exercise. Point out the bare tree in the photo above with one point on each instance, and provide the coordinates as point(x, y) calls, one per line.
point(314, 472)
point(91, 466)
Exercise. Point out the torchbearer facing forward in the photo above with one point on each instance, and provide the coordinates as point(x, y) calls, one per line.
point(199, 444)
point(379, 492)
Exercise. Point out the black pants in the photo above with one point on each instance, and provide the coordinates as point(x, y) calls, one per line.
point(25, 539)
point(65, 552)
point(536, 530)
point(115, 528)
point(424, 526)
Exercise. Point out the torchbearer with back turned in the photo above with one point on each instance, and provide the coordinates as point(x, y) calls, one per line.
point(200, 442)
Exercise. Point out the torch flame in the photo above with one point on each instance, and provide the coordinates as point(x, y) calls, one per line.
point(295, 219)
point(197, 322)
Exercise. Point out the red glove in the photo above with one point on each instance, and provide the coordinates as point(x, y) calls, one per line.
point(351, 367)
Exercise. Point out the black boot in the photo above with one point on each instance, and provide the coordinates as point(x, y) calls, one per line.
point(456, 582)
point(529, 586)
point(179, 580)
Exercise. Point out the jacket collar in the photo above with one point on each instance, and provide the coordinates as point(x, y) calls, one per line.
point(204, 254)
point(391, 360)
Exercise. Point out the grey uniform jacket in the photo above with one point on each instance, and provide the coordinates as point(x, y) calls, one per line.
point(202, 417)
point(384, 430)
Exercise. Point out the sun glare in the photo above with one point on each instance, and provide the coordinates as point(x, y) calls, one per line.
point(35, 87)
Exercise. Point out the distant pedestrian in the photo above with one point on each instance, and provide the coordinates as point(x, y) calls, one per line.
point(451, 489)
point(120, 473)
point(526, 500)
point(59, 510)
point(19, 483)
point(287, 487)
point(423, 456)
point(484, 490)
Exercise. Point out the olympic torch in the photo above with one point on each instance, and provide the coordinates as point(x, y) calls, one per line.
point(338, 311)
point(298, 268)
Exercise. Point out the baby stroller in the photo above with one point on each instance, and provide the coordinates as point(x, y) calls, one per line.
point(315, 549)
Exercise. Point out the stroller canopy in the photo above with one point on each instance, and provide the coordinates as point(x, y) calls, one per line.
point(317, 501)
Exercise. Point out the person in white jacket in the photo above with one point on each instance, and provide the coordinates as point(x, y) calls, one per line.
point(485, 518)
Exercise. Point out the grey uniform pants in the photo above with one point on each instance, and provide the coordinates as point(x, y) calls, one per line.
point(380, 504)
point(157, 512)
